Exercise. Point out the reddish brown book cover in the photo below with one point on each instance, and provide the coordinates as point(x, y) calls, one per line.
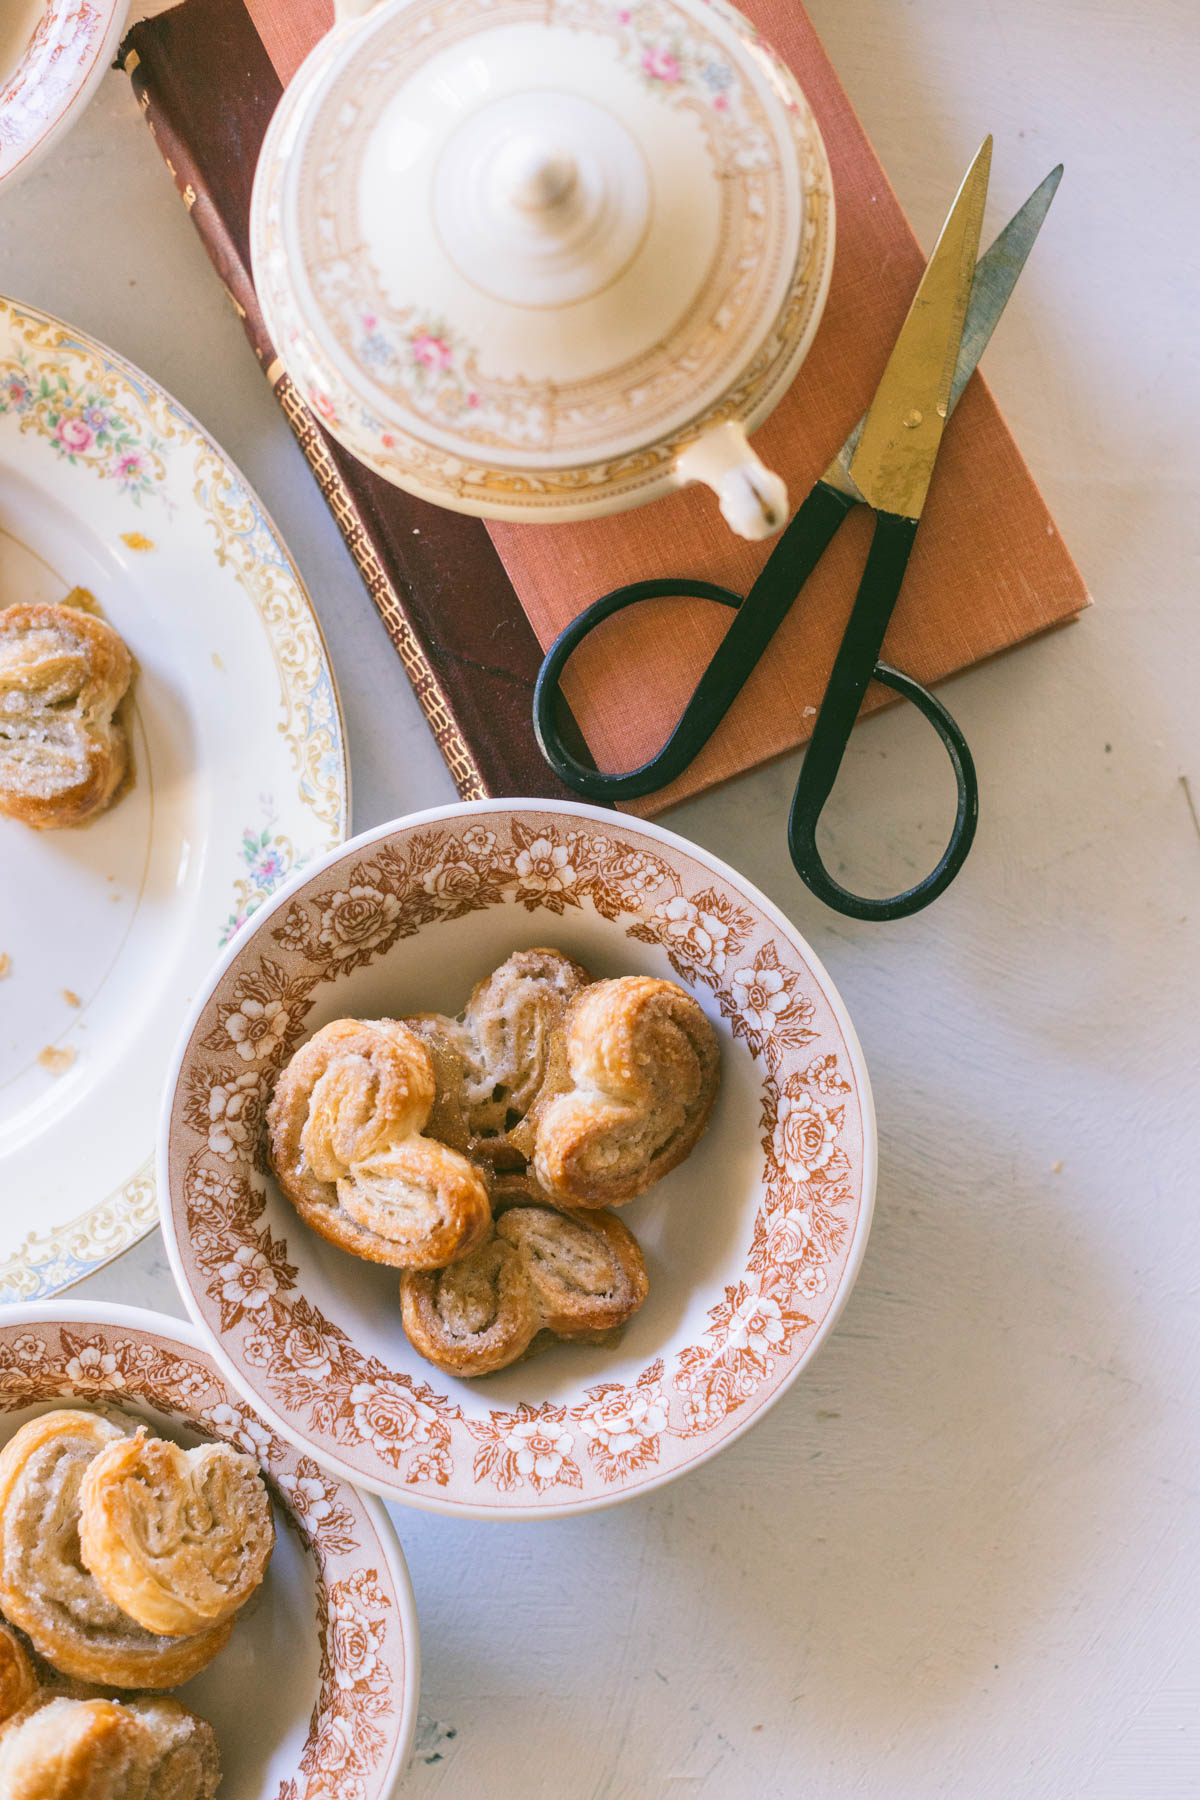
point(470, 606)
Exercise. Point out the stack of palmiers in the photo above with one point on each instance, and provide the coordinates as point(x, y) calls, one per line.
point(480, 1154)
point(124, 1561)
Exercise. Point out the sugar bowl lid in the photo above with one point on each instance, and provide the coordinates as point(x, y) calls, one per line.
point(520, 253)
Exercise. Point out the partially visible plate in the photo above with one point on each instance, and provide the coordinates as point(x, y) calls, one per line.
point(315, 1695)
point(52, 56)
point(239, 778)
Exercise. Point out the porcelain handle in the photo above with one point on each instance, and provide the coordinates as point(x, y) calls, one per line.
point(753, 501)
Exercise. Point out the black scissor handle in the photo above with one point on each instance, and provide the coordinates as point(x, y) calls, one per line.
point(681, 746)
point(806, 810)
point(755, 621)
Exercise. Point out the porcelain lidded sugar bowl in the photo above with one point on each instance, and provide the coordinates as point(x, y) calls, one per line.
point(546, 259)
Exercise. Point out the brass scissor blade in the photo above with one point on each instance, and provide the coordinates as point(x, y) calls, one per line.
point(900, 440)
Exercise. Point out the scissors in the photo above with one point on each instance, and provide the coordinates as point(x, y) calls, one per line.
point(886, 463)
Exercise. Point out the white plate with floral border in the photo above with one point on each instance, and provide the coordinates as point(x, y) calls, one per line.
point(239, 774)
point(335, 1609)
point(752, 1245)
point(53, 54)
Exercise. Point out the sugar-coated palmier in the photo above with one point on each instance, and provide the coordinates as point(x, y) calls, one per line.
point(178, 1539)
point(586, 1269)
point(346, 1138)
point(503, 1059)
point(644, 1072)
point(186, 1761)
point(544, 1271)
point(57, 1748)
point(477, 1316)
point(63, 751)
point(46, 1590)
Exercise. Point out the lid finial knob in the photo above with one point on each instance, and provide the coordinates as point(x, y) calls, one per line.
point(534, 178)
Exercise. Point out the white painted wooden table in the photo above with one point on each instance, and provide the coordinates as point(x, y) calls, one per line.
point(962, 1555)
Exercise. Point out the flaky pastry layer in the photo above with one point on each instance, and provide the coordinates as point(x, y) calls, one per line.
point(63, 750)
point(178, 1539)
point(45, 1588)
point(644, 1072)
point(346, 1139)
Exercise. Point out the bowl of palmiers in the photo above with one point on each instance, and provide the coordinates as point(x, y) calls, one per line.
point(164, 1554)
point(515, 1158)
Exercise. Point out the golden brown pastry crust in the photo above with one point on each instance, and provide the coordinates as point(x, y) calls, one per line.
point(449, 1121)
point(74, 1750)
point(545, 1273)
point(59, 1748)
point(474, 1317)
point(178, 1539)
point(44, 1588)
point(18, 1678)
point(502, 1061)
point(346, 1140)
point(586, 1269)
point(645, 1069)
point(186, 1760)
point(63, 752)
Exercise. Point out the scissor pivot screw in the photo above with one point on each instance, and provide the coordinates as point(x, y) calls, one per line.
point(913, 419)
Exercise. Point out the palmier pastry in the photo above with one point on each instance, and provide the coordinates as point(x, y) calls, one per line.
point(586, 1270)
point(505, 1054)
point(345, 1136)
point(178, 1539)
point(572, 1275)
point(476, 1316)
point(186, 1762)
point(45, 1589)
point(65, 1749)
point(63, 753)
point(18, 1679)
point(644, 1071)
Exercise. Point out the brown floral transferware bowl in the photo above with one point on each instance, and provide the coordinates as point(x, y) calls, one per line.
point(315, 1695)
point(752, 1244)
point(53, 55)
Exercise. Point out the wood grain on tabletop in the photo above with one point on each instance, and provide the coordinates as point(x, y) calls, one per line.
point(962, 1557)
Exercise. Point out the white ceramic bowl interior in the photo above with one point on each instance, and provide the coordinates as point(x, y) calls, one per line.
point(752, 1244)
point(315, 1694)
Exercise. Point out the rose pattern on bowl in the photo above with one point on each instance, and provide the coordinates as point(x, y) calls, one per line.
point(673, 58)
point(59, 57)
point(384, 1423)
point(354, 1722)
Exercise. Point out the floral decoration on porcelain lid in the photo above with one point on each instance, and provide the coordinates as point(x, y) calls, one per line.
point(520, 253)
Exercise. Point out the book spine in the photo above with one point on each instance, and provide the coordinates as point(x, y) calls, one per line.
point(464, 770)
point(235, 278)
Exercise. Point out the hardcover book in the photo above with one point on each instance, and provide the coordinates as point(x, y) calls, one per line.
point(470, 606)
